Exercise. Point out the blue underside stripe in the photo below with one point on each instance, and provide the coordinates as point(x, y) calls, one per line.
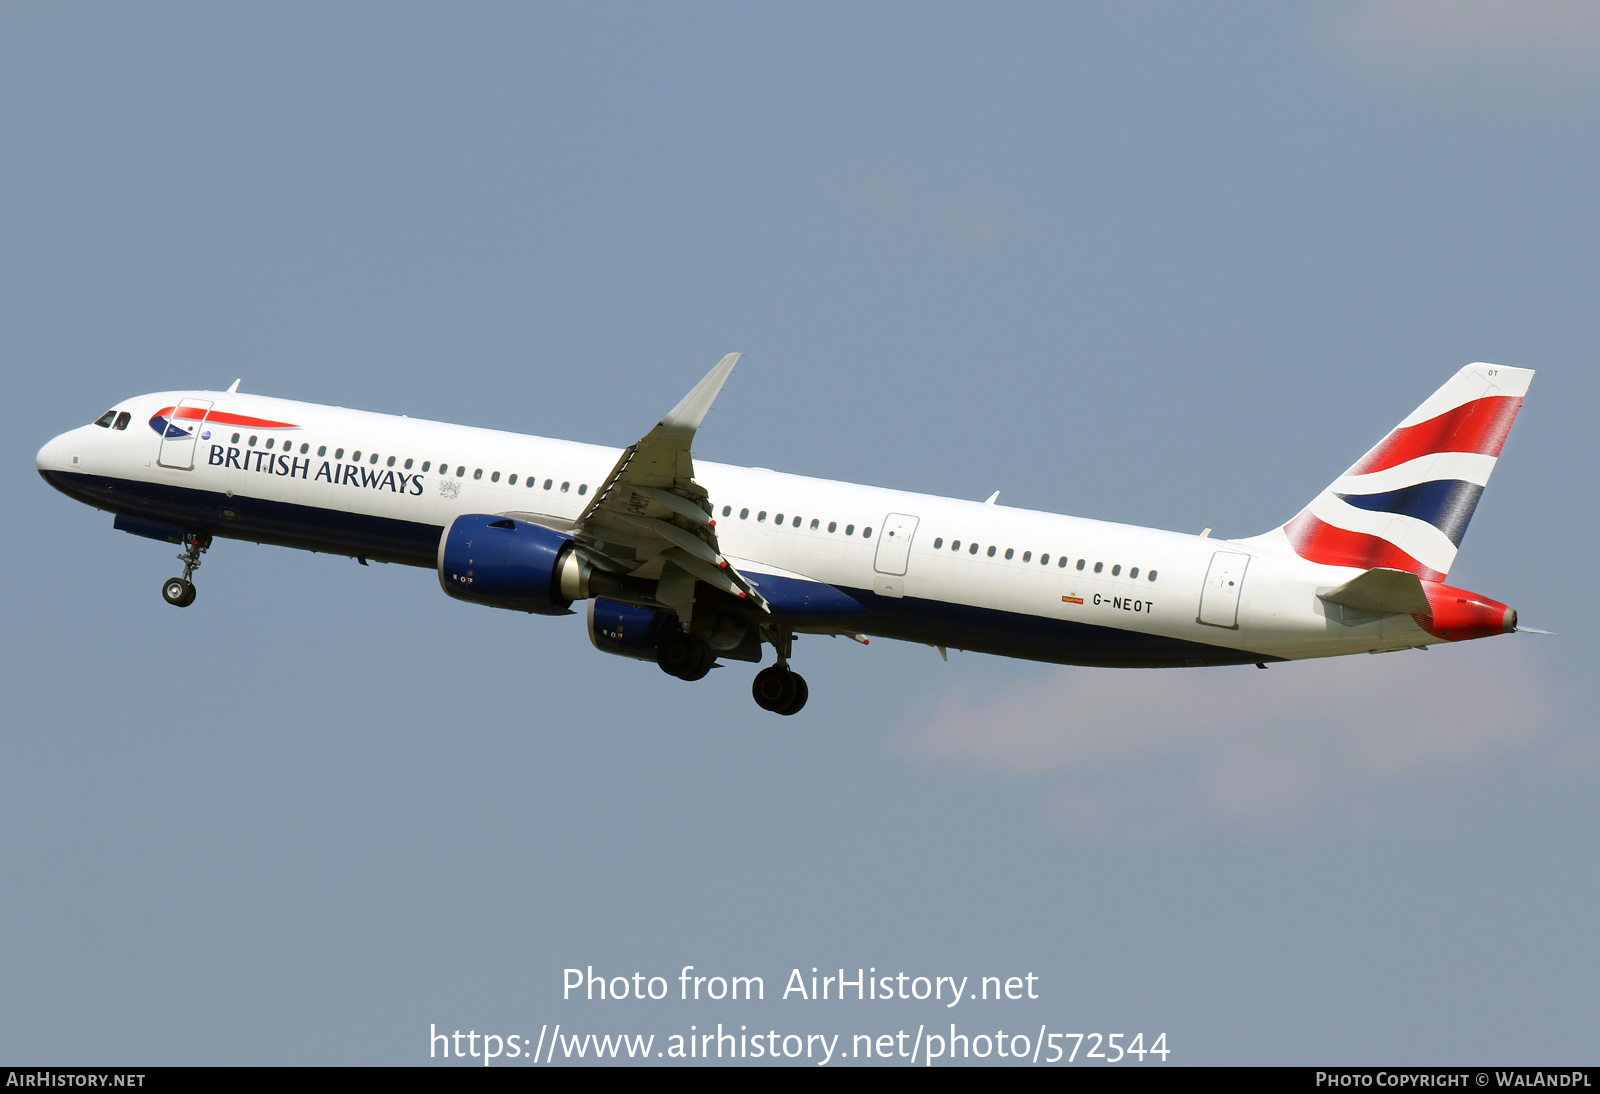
point(913, 619)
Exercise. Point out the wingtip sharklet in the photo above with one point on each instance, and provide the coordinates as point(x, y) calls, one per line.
point(691, 411)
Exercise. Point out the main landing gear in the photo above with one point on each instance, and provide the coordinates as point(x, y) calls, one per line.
point(179, 591)
point(779, 688)
point(683, 655)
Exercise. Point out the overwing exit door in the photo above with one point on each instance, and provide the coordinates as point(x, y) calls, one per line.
point(1219, 599)
point(181, 432)
point(894, 543)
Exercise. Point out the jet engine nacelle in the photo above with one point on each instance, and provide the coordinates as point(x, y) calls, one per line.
point(625, 630)
point(1459, 615)
point(511, 564)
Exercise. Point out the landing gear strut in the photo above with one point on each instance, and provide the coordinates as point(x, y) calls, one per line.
point(179, 591)
point(779, 688)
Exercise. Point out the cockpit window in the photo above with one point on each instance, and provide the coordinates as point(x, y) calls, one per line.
point(122, 420)
point(105, 420)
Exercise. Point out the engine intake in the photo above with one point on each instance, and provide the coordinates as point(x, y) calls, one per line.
point(512, 564)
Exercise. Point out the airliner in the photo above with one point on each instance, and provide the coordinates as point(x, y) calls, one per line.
point(689, 563)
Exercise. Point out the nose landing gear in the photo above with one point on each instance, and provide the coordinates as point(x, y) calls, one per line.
point(179, 591)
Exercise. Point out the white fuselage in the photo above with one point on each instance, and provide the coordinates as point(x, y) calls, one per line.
point(412, 477)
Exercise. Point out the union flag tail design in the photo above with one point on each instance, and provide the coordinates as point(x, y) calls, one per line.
point(1405, 504)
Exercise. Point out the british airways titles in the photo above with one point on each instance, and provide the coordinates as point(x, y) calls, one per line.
point(342, 474)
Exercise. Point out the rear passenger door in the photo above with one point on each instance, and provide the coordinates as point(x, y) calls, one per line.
point(1219, 598)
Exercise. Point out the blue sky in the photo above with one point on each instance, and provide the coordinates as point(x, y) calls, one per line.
point(1169, 264)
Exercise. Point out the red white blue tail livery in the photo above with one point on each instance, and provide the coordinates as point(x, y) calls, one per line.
point(1405, 505)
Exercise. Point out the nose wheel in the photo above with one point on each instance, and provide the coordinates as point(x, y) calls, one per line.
point(179, 591)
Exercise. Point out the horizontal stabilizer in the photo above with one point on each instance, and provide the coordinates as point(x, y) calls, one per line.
point(1381, 590)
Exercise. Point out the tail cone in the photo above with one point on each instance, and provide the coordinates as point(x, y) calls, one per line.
point(1458, 615)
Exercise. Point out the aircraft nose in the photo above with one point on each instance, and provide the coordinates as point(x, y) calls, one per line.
point(52, 457)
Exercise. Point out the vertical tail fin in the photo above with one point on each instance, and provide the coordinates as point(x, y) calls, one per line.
point(1405, 504)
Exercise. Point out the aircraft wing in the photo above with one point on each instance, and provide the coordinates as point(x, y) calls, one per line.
point(650, 519)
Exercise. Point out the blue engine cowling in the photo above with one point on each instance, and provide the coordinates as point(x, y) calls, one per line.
point(512, 564)
point(625, 630)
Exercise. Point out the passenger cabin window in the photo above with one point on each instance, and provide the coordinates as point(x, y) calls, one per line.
point(374, 459)
point(815, 523)
point(122, 420)
point(1116, 571)
point(390, 462)
point(849, 529)
point(425, 463)
point(235, 439)
point(355, 457)
point(938, 543)
point(511, 480)
point(1009, 554)
point(796, 522)
point(565, 487)
point(548, 483)
point(1063, 563)
point(955, 545)
point(991, 552)
point(252, 440)
point(1027, 556)
point(583, 488)
point(866, 533)
point(271, 441)
point(1133, 573)
point(973, 549)
point(761, 516)
point(495, 477)
point(744, 514)
point(1081, 561)
point(460, 471)
point(408, 462)
point(307, 448)
point(1098, 566)
point(478, 474)
point(1044, 560)
point(778, 519)
point(1152, 575)
point(533, 481)
point(833, 526)
point(105, 420)
point(727, 510)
